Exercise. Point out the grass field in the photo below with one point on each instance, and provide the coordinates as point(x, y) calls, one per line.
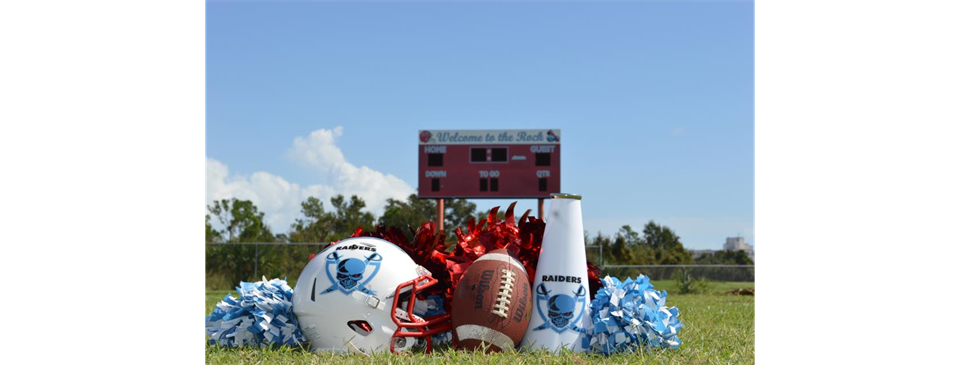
point(718, 329)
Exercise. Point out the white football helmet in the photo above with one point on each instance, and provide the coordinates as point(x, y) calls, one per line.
point(355, 296)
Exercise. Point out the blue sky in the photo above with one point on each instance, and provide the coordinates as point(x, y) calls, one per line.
point(654, 100)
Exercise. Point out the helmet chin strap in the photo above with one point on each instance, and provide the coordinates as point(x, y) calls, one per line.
point(354, 349)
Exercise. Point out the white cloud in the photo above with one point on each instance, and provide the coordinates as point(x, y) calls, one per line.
point(280, 199)
point(319, 151)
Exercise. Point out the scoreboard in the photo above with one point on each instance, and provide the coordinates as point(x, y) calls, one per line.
point(478, 164)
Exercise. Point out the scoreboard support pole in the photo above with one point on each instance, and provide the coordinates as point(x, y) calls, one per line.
point(540, 209)
point(439, 216)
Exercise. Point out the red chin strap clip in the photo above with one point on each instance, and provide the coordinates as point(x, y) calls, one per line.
point(418, 327)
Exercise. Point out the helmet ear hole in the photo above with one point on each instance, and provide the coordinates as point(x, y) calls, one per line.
point(361, 327)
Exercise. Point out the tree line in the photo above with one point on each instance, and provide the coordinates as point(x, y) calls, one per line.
point(241, 221)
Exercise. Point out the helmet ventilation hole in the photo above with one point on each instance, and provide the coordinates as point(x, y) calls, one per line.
point(361, 327)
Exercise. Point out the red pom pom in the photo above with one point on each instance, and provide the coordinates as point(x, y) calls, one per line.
point(429, 249)
point(593, 278)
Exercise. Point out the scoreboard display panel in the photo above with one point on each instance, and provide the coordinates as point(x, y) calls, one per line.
point(476, 164)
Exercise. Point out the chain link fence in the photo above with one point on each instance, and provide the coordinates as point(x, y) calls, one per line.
point(295, 255)
point(741, 273)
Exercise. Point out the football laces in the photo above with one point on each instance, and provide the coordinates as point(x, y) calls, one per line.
point(504, 293)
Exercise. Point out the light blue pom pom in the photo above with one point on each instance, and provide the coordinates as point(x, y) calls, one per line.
point(631, 314)
point(262, 316)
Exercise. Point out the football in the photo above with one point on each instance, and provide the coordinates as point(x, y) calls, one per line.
point(492, 304)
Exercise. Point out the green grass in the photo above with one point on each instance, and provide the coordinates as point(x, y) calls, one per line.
point(718, 329)
point(714, 287)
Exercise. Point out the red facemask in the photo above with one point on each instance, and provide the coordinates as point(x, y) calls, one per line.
point(417, 326)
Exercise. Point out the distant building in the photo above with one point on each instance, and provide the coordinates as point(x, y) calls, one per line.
point(737, 243)
point(732, 244)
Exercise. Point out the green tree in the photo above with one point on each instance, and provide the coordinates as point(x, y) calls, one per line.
point(414, 211)
point(631, 237)
point(625, 239)
point(608, 257)
point(660, 237)
point(316, 224)
point(738, 257)
point(242, 222)
point(321, 226)
point(348, 215)
point(214, 280)
point(658, 245)
point(410, 213)
point(456, 214)
point(212, 234)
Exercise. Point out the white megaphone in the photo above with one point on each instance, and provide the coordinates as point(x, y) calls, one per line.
point(560, 288)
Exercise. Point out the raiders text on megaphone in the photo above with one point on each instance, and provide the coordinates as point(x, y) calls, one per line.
point(561, 278)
